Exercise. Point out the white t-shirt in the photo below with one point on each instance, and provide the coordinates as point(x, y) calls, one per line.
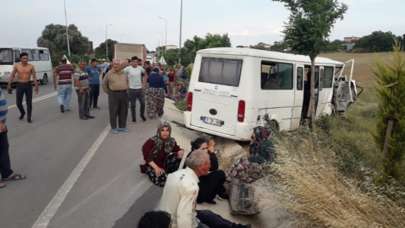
point(134, 76)
point(179, 198)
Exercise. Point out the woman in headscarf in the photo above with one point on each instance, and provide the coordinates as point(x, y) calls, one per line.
point(162, 155)
point(212, 184)
point(156, 94)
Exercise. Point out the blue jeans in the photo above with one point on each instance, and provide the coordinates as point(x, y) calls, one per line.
point(64, 95)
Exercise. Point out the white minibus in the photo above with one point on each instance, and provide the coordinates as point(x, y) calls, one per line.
point(233, 90)
point(39, 57)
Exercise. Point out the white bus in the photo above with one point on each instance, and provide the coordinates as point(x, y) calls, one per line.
point(232, 90)
point(39, 57)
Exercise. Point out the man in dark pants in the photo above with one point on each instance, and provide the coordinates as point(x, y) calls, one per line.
point(136, 83)
point(115, 84)
point(24, 71)
point(7, 174)
point(81, 83)
point(94, 82)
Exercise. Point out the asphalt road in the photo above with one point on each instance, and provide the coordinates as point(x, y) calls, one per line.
point(97, 193)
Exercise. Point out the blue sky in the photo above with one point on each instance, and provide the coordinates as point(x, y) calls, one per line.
point(137, 21)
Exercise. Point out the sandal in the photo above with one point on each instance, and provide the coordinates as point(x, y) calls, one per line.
point(14, 177)
point(2, 185)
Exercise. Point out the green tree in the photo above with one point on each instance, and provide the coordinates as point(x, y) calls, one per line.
point(309, 25)
point(376, 42)
point(279, 46)
point(171, 56)
point(334, 46)
point(391, 115)
point(191, 47)
point(54, 38)
point(261, 46)
point(100, 50)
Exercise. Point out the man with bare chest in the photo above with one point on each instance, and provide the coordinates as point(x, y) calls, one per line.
point(25, 73)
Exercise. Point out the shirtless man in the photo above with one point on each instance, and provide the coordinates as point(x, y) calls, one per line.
point(24, 71)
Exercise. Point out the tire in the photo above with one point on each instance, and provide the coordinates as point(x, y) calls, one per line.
point(44, 80)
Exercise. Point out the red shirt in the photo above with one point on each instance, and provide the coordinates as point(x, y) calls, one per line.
point(147, 149)
point(171, 76)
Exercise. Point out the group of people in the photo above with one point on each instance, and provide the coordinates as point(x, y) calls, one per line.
point(199, 181)
point(125, 83)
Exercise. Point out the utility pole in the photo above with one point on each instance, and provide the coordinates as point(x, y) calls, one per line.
point(106, 41)
point(67, 29)
point(165, 20)
point(181, 25)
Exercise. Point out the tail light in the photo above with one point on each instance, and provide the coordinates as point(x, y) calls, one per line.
point(241, 110)
point(189, 101)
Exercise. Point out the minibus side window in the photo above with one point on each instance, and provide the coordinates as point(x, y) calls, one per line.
point(43, 55)
point(28, 51)
point(220, 71)
point(300, 77)
point(35, 55)
point(328, 77)
point(276, 76)
point(17, 56)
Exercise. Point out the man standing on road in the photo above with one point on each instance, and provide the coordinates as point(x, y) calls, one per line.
point(136, 75)
point(94, 82)
point(7, 174)
point(115, 84)
point(24, 71)
point(180, 195)
point(63, 78)
point(81, 82)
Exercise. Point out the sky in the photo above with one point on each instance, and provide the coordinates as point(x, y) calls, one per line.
point(140, 21)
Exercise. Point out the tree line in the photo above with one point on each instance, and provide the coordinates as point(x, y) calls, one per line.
point(54, 38)
point(377, 41)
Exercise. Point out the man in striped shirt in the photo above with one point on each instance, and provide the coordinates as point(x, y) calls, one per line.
point(63, 78)
point(7, 174)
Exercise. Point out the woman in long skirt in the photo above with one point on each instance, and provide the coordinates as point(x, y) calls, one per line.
point(156, 94)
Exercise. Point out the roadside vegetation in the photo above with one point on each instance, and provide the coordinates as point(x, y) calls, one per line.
point(336, 174)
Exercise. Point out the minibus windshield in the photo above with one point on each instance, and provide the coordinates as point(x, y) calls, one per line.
point(6, 56)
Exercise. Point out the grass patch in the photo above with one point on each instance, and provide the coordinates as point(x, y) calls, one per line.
point(181, 104)
point(331, 175)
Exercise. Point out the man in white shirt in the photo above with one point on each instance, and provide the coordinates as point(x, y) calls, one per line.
point(136, 79)
point(180, 195)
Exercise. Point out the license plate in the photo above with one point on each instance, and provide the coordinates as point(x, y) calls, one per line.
point(212, 121)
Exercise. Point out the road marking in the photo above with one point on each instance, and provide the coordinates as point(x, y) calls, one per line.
point(53, 206)
point(37, 99)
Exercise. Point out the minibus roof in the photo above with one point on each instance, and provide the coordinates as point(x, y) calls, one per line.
point(268, 54)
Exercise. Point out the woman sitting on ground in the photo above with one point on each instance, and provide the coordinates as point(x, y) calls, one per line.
point(162, 155)
point(212, 184)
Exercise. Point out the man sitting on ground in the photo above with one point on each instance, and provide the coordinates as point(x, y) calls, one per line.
point(180, 195)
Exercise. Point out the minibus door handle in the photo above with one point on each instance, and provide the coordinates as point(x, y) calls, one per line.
point(197, 90)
